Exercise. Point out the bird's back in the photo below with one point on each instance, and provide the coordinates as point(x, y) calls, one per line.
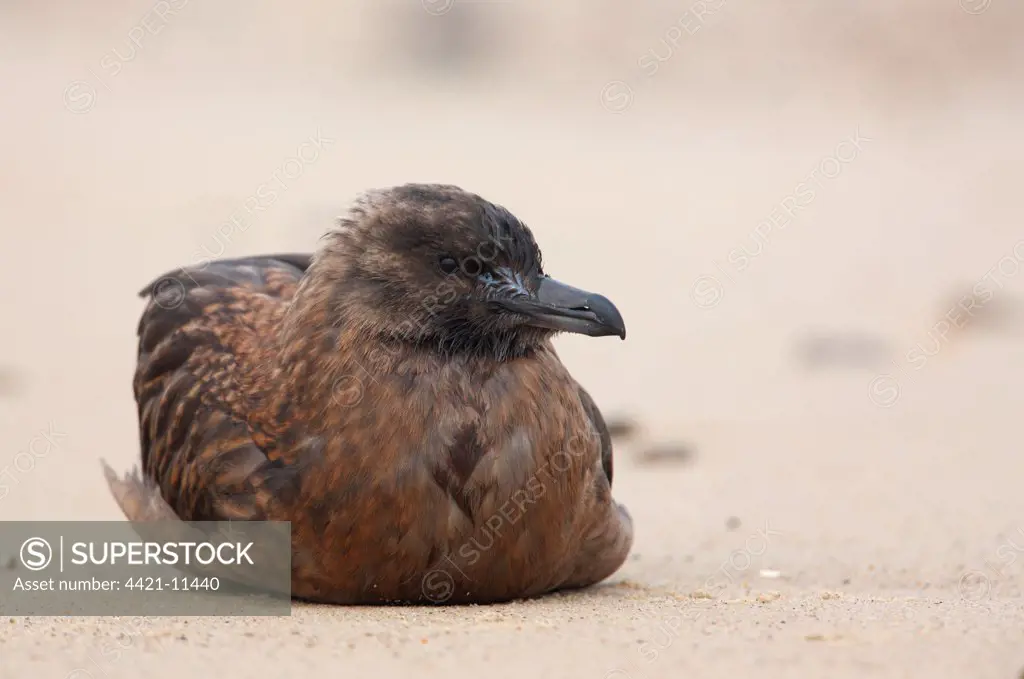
point(199, 337)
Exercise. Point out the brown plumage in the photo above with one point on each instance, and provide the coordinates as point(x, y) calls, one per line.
point(396, 397)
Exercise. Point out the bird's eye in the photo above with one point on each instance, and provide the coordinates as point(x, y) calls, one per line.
point(472, 266)
point(449, 265)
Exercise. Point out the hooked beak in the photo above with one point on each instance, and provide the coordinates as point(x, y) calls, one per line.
point(561, 307)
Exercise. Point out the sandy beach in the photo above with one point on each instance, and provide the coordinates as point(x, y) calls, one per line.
point(809, 219)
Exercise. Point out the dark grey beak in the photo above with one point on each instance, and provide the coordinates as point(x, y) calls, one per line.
point(561, 307)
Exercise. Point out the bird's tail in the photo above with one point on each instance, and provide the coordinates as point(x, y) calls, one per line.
point(138, 496)
point(140, 499)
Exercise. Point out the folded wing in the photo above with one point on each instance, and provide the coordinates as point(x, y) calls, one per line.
point(198, 339)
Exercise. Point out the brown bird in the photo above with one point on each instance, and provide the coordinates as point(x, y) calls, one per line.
point(396, 397)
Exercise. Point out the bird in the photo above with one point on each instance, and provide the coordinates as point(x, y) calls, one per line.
point(395, 396)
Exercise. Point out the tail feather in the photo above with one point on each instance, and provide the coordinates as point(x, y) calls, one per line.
point(141, 502)
point(138, 497)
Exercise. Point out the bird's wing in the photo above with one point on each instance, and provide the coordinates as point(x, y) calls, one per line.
point(229, 273)
point(610, 536)
point(594, 413)
point(198, 339)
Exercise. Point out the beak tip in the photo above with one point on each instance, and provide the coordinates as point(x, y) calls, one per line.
point(564, 308)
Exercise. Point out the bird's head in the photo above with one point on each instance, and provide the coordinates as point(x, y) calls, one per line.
point(433, 264)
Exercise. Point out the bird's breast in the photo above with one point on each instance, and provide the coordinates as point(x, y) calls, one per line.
point(466, 437)
point(488, 469)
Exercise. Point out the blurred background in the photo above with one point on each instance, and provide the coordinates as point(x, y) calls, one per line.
point(807, 212)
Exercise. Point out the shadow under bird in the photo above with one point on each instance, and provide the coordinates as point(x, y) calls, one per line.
point(396, 397)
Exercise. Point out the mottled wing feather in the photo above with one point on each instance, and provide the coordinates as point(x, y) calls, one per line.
point(191, 387)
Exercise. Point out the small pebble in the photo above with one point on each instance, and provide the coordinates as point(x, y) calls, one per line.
point(666, 452)
point(732, 523)
point(842, 349)
point(9, 382)
point(622, 426)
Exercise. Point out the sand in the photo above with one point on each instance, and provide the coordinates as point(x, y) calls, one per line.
point(850, 506)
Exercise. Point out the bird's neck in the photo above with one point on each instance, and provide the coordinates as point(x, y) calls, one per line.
point(491, 347)
point(325, 362)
